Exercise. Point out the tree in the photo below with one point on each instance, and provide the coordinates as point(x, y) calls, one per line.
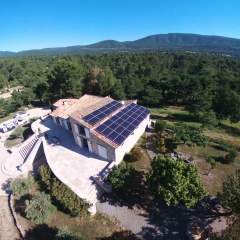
point(227, 103)
point(230, 195)
point(40, 90)
point(64, 80)
point(117, 91)
point(160, 127)
point(122, 177)
point(3, 81)
point(27, 96)
point(39, 208)
point(152, 96)
point(175, 182)
point(106, 82)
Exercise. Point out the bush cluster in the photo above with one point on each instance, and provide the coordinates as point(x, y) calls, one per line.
point(21, 186)
point(64, 197)
point(230, 156)
point(183, 134)
point(39, 208)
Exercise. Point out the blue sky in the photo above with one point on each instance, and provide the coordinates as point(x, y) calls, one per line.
point(26, 24)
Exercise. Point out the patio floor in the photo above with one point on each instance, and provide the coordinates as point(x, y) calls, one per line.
point(71, 164)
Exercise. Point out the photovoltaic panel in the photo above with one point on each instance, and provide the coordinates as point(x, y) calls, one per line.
point(121, 125)
point(102, 112)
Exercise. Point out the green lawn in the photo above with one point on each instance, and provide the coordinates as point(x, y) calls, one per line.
point(226, 131)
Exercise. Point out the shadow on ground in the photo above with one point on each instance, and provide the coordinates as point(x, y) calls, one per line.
point(41, 232)
point(56, 135)
point(161, 221)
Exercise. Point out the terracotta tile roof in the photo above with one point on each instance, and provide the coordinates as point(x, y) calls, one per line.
point(63, 106)
point(68, 101)
point(88, 106)
point(78, 108)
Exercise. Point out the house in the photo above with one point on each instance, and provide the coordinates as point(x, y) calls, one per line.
point(102, 125)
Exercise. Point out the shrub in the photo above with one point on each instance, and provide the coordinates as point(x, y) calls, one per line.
point(68, 200)
point(211, 160)
point(46, 176)
point(66, 235)
point(39, 208)
point(175, 182)
point(65, 198)
point(231, 156)
point(160, 126)
point(21, 186)
point(184, 134)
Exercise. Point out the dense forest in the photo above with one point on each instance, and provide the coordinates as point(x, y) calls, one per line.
point(207, 85)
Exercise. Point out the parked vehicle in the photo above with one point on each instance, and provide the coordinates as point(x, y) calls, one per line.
point(21, 115)
point(23, 121)
point(8, 125)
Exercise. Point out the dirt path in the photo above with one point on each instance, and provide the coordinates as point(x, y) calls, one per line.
point(8, 231)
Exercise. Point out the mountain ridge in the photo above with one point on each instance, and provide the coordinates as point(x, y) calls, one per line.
point(160, 42)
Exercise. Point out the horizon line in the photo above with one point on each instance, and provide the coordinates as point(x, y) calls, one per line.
point(97, 41)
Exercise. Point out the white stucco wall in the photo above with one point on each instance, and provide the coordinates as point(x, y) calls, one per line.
point(113, 154)
point(131, 140)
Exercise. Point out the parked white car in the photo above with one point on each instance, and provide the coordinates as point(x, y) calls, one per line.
point(23, 121)
point(21, 115)
point(8, 125)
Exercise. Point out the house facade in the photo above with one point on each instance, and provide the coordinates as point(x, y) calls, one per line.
point(101, 125)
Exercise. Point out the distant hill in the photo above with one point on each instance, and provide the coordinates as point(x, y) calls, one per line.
point(6, 53)
point(161, 42)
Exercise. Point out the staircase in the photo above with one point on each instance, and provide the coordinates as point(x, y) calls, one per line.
point(25, 151)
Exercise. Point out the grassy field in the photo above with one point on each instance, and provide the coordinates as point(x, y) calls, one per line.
point(226, 131)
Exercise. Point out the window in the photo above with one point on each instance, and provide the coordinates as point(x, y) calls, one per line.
point(81, 130)
point(58, 121)
point(69, 125)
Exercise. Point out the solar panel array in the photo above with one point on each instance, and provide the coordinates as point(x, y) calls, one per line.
point(121, 125)
point(102, 112)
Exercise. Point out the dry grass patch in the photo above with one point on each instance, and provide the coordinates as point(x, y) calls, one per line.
point(212, 181)
point(90, 228)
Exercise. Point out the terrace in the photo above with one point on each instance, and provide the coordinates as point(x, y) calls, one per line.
point(72, 165)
